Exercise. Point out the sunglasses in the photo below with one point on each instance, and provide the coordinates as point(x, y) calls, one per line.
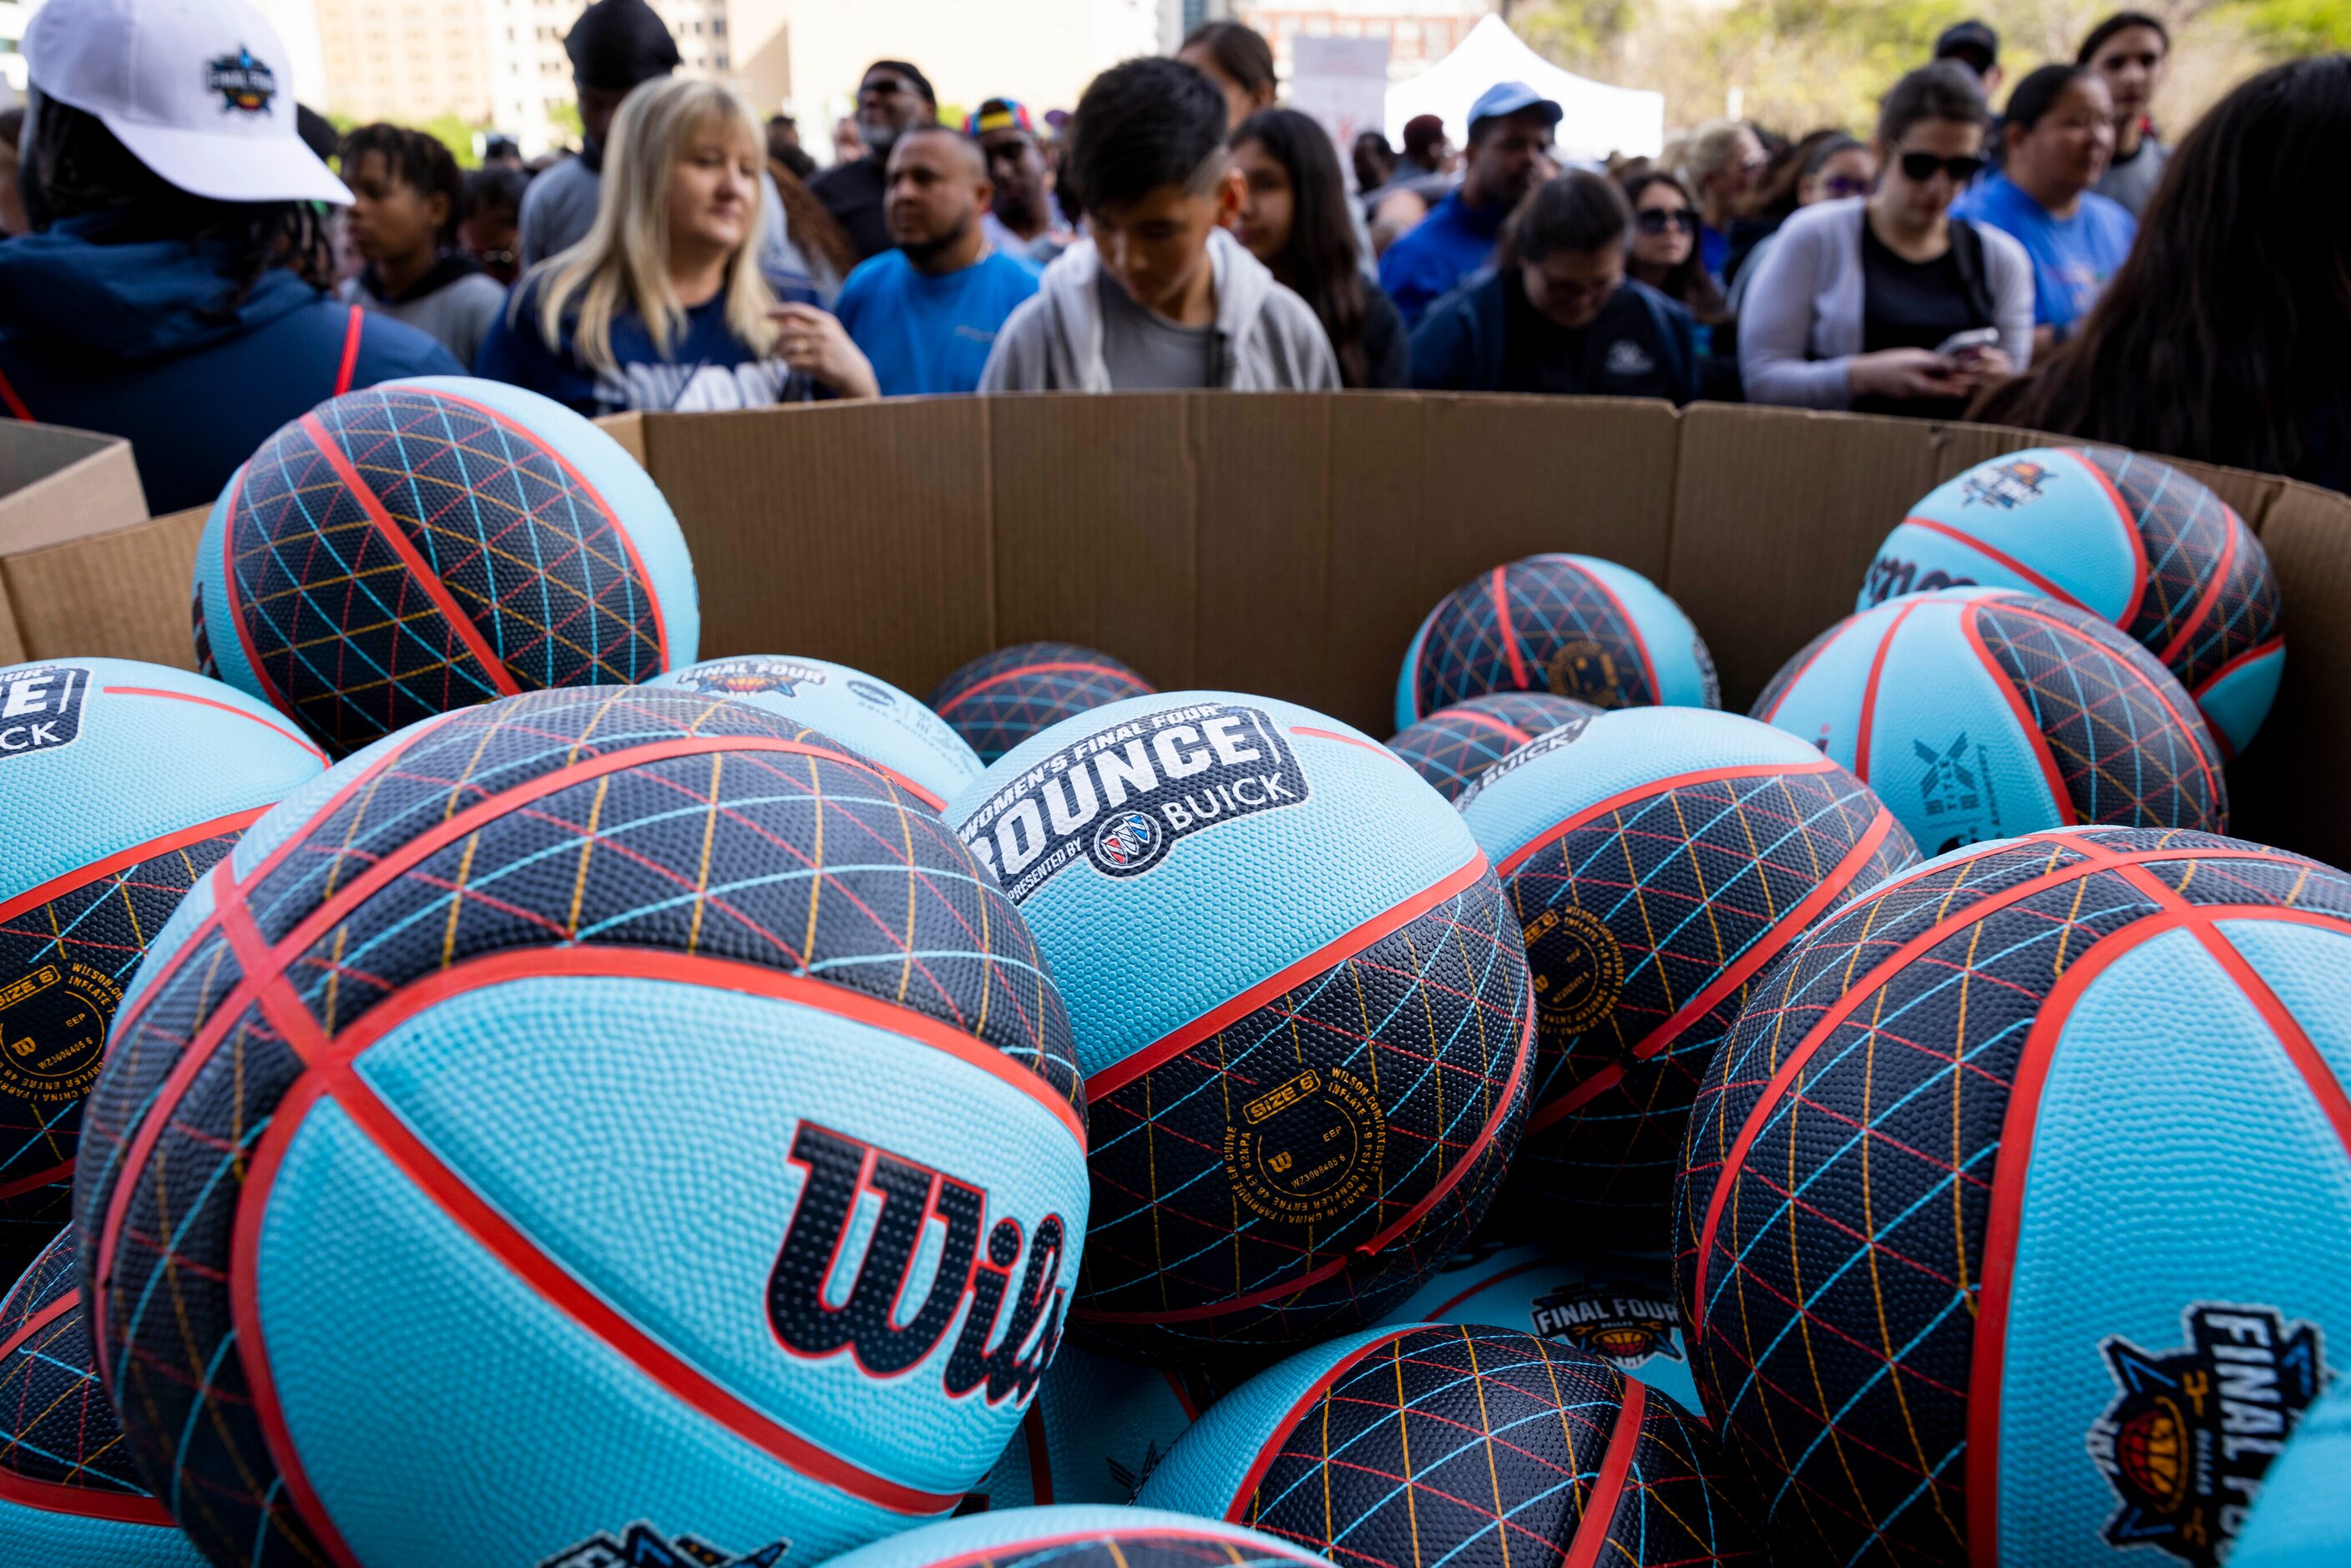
point(1658, 220)
point(1920, 167)
point(1846, 185)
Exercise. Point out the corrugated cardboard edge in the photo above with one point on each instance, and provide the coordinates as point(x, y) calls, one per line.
point(122, 594)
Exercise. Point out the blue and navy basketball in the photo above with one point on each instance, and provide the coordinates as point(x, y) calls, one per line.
point(1460, 1443)
point(1000, 699)
point(2131, 541)
point(2014, 1205)
point(428, 544)
point(614, 1087)
point(1454, 745)
point(868, 715)
point(2301, 1517)
point(1300, 1003)
point(68, 1495)
point(120, 784)
point(1983, 713)
point(1618, 1309)
point(1073, 1537)
point(1655, 859)
point(1572, 625)
point(1098, 1426)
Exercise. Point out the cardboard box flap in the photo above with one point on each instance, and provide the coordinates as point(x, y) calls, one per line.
point(57, 484)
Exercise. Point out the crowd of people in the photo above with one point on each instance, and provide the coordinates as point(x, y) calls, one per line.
point(180, 265)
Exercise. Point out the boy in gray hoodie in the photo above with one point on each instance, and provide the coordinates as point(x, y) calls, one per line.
point(1158, 296)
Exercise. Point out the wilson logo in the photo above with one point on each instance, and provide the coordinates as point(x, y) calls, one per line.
point(848, 1178)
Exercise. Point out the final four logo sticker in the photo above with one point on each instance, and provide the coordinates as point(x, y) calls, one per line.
point(750, 677)
point(2193, 1428)
point(1121, 797)
point(643, 1546)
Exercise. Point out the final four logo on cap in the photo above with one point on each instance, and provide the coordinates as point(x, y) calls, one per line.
point(245, 84)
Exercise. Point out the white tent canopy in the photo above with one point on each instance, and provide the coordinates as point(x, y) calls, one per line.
point(1599, 119)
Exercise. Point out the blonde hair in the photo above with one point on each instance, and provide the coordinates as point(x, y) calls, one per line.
point(624, 260)
point(1710, 150)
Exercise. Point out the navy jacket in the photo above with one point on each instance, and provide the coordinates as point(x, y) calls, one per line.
point(1461, 343)
point(128, 338)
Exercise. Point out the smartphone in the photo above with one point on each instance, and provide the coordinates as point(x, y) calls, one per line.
point(1958, 343)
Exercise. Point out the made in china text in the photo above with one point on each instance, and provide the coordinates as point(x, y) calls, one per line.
point(1122, 796)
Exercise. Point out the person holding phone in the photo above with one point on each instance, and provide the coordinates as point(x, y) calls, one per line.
point(1886, 304)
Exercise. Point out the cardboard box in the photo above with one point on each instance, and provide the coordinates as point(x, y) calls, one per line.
point(1290, 543)
point(58, 486)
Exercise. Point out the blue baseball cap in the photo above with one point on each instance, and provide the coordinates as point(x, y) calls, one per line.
point(1507, 98)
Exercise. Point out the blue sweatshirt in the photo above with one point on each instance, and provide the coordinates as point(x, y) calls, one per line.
point(1426, 263)
point(128, 338)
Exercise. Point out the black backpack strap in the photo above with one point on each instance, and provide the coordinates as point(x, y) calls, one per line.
point(1968, 253)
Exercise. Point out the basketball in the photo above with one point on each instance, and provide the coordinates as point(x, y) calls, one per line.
point(120, 784)
point(577, 1032)
point(871, 716)
point(2301, 1517)
point(1572, 625)
point(1098, 1426)
point(1656, 858)
point(2013, 1206)
point(1454, 1442)
point(1618, 1309)
point(1454, 745)
point(1000, 699)
point(2127, 539)
point(68, 1496)
point(429, 544)
point(1300, 1005)
point(1074, 1537)
point(1983, 713)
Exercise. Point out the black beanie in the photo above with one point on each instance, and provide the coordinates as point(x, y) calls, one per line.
point(617, 44)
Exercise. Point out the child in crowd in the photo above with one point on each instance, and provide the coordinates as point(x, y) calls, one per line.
point(1158, 295)
point(663, 305)
point(403, 223)
point(489, 220)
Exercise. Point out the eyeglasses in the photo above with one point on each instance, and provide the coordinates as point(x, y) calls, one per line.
point(1920, 167)
point(1658, 220)
point(1845, 185)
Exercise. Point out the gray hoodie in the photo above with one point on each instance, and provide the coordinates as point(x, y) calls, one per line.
point(1268, 338)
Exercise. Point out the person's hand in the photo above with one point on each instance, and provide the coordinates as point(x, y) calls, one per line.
point(1904, 373)
point(816, 344)
point(1981, 367)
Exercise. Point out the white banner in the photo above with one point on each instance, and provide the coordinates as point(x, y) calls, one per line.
point(1343, 84)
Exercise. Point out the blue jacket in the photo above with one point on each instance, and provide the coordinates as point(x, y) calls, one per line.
point(1462, 345)
point(1455, 240)
point(125, 339)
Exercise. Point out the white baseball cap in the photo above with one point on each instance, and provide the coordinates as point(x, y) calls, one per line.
point(199, 91)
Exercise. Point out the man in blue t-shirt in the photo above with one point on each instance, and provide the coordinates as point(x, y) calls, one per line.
point(2073, 254)
point(926, 314)
point(1509, 126)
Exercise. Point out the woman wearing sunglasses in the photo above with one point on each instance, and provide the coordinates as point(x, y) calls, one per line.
point(1825, 166)
point(1888, 304)
point(1662, 249)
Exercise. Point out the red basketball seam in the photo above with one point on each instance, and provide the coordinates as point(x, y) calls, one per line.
point(1519, 856)
point(38, 1321)
point(2212, 791)
point(1600, 1504)
point(225, 707)
point(82, 1502)
point(1119, 1074)
point(1488, 1283)
point(1040, 1454)
point(2197, 617)
point(1510, 634)
point(2098, 859)
point(2128, 520)
point(1471, 716)
point(123, 860)
point(1183, 1400)
point(2041, 584)
point(2258, 652)
point(1354, 740)
point(1790, 926)
point(229, 580)
point(1632, 630)
point(611, 518)
point(2035, 739)
point(1237, 1510)
point(1812, 656)
point(428, 582)
point(1372, 1246)
point(1861, 734)
point(1057, 667)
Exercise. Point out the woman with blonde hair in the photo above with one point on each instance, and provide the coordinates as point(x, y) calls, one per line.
point(662, 306)
point(1720, 165)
